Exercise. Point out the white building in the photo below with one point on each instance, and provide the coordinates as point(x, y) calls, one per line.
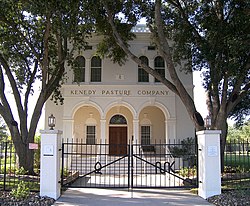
point(118, 104)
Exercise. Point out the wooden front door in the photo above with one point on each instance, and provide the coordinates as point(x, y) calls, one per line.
point(118, 140)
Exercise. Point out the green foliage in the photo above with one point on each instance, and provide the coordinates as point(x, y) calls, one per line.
point(109, 47)
point(241, 112)
point(3, 130)
point(237, 161)
point(211, 37)
point(37, 153)
point(241, 133)
point(186, 150)
point(188, 171)
point(66, 172)
point(36, 39)
point(21, 171)
point(21, 192)
point(238, 184)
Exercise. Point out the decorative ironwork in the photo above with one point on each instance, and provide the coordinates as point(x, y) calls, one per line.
point(118, 119)
point(154, 167)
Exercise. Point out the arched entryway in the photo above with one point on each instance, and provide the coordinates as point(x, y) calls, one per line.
point(87, 125)
point(152, 123)
point(118, 135)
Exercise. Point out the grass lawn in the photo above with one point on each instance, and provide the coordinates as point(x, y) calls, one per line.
point(12, 182)
point(241, 160)
point(237, 171)
point(243, 183)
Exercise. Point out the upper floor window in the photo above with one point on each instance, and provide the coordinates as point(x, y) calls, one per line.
point(159, 66)
point(79, 69)
point(96, 69)
point(142, 74)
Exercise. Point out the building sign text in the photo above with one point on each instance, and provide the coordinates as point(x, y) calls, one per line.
point(118, 92)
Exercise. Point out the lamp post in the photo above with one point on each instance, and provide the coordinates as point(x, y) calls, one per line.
point(208, 122)
point(51, 122)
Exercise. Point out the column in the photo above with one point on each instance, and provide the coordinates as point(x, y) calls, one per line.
point(68, 128)
point(87, 70)
point(151, 64)
point(102, 148)
point(166, 132)
point(135, 144)
point(103, 131)
point(50, 163)
point(136, 131)
point(171, 129)
point(209, 163)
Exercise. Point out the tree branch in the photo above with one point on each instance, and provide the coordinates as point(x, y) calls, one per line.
point(5, 109)
point(15, 28)
point(148, 69)
point(12, 84)
point(234, 101)
point(29, 85)
point(45, 61)
point(198, 38)
point(164, 49)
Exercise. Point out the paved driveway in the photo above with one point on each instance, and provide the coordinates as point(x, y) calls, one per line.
point(123, 197)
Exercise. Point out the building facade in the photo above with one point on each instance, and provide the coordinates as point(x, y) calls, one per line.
point(110, 103)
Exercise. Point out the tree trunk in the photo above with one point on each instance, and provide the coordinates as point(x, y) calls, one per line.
point(25, 157)
point(221, 124)
point(21, 144)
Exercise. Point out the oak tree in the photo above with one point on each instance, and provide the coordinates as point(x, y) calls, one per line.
point(34, 46)
point(209, 36)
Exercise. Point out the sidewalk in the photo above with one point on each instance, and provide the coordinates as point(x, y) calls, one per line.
point(121, 197)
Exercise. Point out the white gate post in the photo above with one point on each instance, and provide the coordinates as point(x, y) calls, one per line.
point(50, 163)
point(209, 163)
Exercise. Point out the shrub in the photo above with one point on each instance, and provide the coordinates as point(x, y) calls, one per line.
point(21, 192)
point(188, 172)
point(186, 150)
point(21, 171)
point(37, 154)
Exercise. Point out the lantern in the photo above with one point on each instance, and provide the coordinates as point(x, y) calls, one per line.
point(51, 122)
point(208, 122)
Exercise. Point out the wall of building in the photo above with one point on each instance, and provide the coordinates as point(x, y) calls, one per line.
point(119, 92)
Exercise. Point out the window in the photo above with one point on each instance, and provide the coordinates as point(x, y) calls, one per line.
point(118, 119)
point(90, 135)
point(159, 66)
point(151, 48)
point(96, 69)
point(145, 135)
point(142, 74)
point(79, 69)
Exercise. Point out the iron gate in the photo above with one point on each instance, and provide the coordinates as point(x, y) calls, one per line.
point(135, 166)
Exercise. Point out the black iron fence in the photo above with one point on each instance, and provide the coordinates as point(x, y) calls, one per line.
point(131, 165)
point(11, 174)
point(157, 165)
point(236, 172)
